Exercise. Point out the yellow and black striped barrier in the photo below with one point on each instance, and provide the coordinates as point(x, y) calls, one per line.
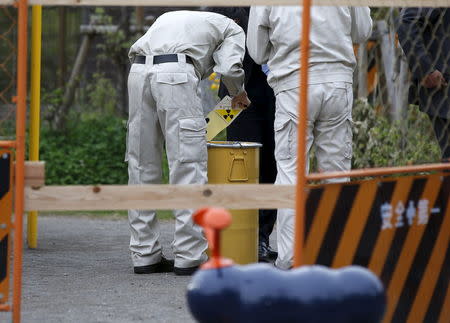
point(398, 228)
point(5, 220)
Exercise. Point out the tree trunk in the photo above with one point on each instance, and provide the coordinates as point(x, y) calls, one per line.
point(362, 71)
point(123, 64)
point(62, 47)
point(388, 59)
point(69, 93)
point(139, 19)
point(401, 89)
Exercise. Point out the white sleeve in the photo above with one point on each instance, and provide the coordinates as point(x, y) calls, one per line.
point(258, 41)
point(361, 24)
point(228, 58)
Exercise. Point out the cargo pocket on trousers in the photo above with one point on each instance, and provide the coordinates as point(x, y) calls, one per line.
point(192, 140)
point(283, 140)
point(171, 90)
point(171, 78)
point(348, 153)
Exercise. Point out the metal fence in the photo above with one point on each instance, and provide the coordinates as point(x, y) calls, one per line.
point(401, 96)
point(8, 50)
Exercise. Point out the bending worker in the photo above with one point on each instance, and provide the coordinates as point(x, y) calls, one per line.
point(273, 38)
point(179, 49)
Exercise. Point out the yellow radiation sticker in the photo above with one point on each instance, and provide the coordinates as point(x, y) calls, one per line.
point(220, 118)
point(229, 114)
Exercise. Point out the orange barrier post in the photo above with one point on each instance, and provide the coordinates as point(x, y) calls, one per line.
point(7, 144)
point(381, 171)
point(302, 117)
point(20, 155)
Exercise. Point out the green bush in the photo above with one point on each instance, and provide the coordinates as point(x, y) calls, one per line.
point(379, 142)
point(90, 151)
point(7, 129)
point(101, 94)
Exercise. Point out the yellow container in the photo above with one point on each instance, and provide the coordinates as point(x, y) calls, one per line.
point(237, 163)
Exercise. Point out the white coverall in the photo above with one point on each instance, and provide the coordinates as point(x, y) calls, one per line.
point(164, 105)
point(273, 38)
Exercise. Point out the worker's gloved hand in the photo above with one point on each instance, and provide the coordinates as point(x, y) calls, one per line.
point(240, 101)
point(434, 80)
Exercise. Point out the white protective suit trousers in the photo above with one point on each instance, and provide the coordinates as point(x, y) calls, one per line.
point(164, 106)
point(328, 129)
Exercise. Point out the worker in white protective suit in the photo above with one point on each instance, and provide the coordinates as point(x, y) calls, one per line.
point(179, 49)
point(274, 38)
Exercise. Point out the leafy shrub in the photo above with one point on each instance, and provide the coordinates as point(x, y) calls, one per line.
point(101, 94)
point(379, 142)
point(90, 151)
point(7, 129)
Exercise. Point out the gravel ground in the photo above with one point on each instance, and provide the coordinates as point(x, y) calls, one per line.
point(81, 272)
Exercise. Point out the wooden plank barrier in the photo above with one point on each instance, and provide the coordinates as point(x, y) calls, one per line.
point(123, 197)
point(34, 173)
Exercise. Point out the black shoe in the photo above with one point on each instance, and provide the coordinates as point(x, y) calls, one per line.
point(188, 271)
point(266, 253)
point(272, 253)
point(164, 266)
point(263, 253)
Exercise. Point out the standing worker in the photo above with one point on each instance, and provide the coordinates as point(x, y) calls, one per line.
point(179, 49)
point(255, 124)
point(274, 39)
point(424, 34)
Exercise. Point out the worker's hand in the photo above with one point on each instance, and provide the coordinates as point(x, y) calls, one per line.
point(240, 101)
point(434, 80)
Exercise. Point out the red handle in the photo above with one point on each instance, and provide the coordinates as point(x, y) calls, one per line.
point(213, 220)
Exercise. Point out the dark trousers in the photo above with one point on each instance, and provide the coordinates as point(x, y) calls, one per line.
point(256, 125)
point(442, 131)
point(436, 104)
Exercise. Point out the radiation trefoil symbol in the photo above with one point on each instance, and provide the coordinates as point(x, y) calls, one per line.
point(227, 114)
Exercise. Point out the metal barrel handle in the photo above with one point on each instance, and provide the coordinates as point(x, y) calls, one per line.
point(235, 159)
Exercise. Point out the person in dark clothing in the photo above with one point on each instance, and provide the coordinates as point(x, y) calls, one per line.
point(424, 35)
point(256, 124)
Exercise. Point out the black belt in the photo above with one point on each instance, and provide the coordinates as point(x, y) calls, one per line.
point(160, 59)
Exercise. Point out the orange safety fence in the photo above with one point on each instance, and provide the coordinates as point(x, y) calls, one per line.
point(386, 111)
point(14, 89)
